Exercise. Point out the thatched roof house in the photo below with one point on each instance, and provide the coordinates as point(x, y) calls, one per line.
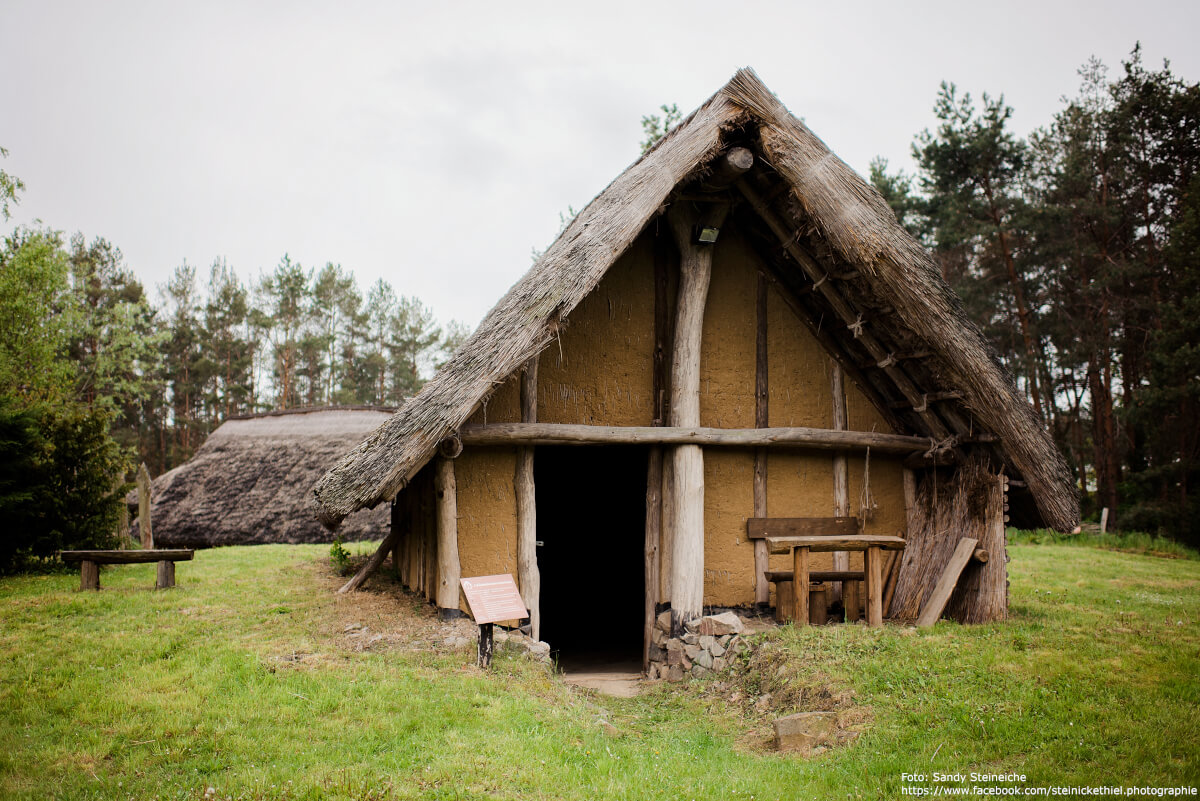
point(249, 482)
point(825, 323)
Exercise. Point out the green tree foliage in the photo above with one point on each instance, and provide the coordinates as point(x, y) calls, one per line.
point(1077, 251)
point(655, 127)
point(11, 188)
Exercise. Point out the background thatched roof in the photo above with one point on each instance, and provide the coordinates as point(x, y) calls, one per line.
point(250, 480)
point(834, 221)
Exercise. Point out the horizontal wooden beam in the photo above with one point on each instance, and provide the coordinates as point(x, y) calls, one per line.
point(129, 557)
point(573, 434)
point(850, 542)
point(818, 575)
point(762, 527)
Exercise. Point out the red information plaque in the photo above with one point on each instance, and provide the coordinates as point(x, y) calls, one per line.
point(494, 598)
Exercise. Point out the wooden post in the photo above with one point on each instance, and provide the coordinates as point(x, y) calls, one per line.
point(486, 645)
point(166, 575)
point(800, 585)
point(653, 534)
point(89, 575)
point(449, 570)
point(144, 526)
point(785, 606)
point(762, 589)
point(1104, 520)
point(841, 475)
point(873, 567)
point(528, 577)
point(372, 564)
point(687, 497)
point(946, 582)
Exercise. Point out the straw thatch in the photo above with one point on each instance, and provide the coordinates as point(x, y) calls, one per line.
point(249, 482)
point(967, 505)
point(834, 214)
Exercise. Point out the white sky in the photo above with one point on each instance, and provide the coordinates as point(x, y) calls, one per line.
point(435, 144)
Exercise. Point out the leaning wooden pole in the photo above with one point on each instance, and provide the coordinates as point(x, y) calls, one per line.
point(528, 576)
point(144, 526)
point(687, 498)
point(841, 473)
point(372, 564)
point(449, 570)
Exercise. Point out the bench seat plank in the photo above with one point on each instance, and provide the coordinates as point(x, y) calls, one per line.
point(818, 575)
point(852, 542)
point(129, 557)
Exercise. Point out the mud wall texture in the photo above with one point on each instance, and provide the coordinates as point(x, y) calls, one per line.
point(600, 372)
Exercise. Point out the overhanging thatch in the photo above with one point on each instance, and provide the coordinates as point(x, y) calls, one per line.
point(249, 482)
point(834, 222)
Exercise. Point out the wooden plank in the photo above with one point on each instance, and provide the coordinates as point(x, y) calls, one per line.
point(760, 527)
point(761, 394)
point(508, 434)
point(857, 542)
point(818, 575)
point(874, 583)
point(105, 557)
point(800, 585)
point(945, 586)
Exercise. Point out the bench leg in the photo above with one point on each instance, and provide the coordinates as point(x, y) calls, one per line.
point(89, 575)
point(166, 575)
point(874, 571)
point(852, 599)
point(800, 585)
point(784, 605)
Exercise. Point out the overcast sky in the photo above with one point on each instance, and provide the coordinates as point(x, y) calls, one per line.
point(435, 144)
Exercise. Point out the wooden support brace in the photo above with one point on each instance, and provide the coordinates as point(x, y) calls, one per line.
point(372, 564)
point(874, 570)
point(946, 583)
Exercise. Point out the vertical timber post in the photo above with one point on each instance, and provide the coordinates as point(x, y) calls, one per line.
point(654, 464)
point(486, 643)
point(841, 485)
point(144, 527)
point(762, 590)
point(653, 533)
point(449, 569)
point(528, 576)
point(687, 496)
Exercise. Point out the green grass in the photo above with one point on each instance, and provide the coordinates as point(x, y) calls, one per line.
point(243, 679)
point(1127, 541)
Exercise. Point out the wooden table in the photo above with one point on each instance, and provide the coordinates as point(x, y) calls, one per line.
point(872, 545)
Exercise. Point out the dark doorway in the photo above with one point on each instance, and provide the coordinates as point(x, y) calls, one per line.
point(591, 513)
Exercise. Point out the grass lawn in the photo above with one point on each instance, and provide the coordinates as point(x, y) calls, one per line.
point(246, 679)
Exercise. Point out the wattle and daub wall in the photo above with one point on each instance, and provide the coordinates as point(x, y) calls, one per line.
point(601, 373)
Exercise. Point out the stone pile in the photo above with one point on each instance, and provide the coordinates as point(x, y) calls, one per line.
point(707, 646)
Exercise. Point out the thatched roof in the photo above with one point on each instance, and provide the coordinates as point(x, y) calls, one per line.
point(809, 215)
point(249, 482)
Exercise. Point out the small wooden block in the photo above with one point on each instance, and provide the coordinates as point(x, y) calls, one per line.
point(89, 575)
point(852, 600)
point(166, 575)
point(785, 605)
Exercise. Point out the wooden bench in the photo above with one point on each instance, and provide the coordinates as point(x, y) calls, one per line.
point(804, 535)
point(90, 561)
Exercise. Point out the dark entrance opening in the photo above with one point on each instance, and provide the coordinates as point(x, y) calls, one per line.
point(591, 513)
